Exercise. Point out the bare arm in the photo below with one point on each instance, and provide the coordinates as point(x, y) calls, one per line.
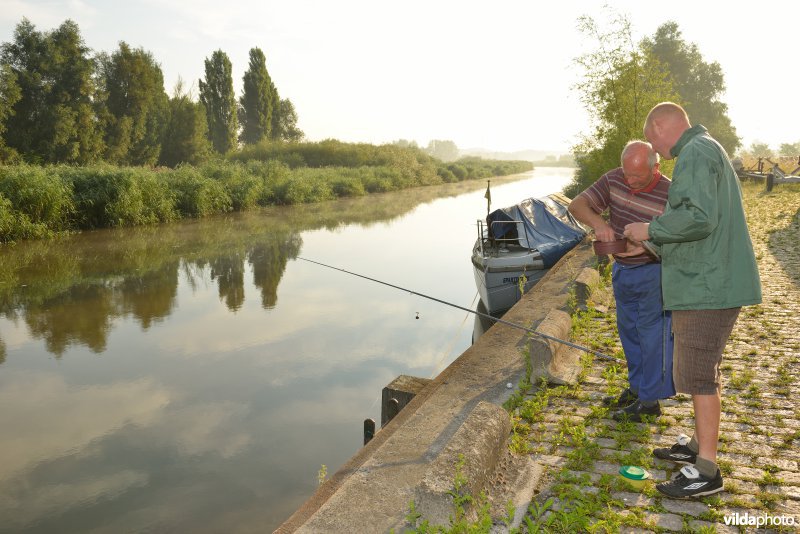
point(582, 210)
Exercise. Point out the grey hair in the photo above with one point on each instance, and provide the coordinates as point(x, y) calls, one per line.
point(652, 155)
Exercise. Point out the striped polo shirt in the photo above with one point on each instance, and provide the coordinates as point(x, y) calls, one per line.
point(626, 206)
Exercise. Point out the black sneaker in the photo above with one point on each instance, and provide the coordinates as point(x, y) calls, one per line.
point(626, 398)
point(680, 453)
point(635, 411)
point(690, 483)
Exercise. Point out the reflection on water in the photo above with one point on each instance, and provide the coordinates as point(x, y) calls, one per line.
point(71, 291)
point(192, 377)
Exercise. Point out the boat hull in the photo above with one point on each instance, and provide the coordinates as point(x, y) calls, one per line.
point(497, 277)
point(524, 240)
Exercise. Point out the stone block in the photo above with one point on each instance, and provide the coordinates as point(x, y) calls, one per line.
point(554, 361)
point(481, 440)
point(587, 280)
point(398, 394)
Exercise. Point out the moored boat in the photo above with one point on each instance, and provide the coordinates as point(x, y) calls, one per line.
point(517, 245)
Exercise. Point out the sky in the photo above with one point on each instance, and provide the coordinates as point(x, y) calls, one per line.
point(493, 75)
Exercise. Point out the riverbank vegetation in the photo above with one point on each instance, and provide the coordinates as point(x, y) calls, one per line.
point(40, 201)
point(92, 140)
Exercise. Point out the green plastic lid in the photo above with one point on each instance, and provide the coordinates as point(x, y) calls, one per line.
point(633, 472)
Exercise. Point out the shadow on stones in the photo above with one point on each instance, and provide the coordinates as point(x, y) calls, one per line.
point(784, 244)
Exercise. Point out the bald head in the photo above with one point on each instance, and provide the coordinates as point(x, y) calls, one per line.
point(639, 151)
point(664, 125)
point(639, 164)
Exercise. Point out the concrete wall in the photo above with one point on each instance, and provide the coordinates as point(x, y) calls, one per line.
point(410, 458)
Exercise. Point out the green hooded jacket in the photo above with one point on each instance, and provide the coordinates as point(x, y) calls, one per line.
point(707, 257)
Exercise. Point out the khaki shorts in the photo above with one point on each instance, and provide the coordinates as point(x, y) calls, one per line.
point(700, 338)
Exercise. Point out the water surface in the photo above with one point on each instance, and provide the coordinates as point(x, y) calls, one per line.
point(196, 377)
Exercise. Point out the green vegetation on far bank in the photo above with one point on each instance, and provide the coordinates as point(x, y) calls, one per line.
point(40, 201)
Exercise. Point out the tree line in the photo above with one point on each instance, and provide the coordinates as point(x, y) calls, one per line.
point(623, 79)
point(59, 103)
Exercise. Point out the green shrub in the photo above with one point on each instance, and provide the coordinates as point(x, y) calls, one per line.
point(377, 184)
point(458, 171)
point(348, 186)
point(39, 193)
point(243, 188)
point(157, 196)
point(304, 185)
point(38, 201)
point(119, 196)
point(15, 225)
point(197, 195)
point(271, 173)
point(93, 191)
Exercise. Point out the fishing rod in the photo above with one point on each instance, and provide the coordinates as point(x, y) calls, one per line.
point(487, 316)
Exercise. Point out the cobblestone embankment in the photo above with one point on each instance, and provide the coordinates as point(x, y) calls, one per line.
point(568, 430)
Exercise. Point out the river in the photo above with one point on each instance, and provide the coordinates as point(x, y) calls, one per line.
point(196, 377)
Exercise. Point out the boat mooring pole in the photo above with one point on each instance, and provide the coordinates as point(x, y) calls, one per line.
point(488, 196)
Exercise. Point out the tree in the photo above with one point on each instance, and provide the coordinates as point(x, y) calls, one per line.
point(275, 126)
point(698, 84)
point(9, 96)
point(134, 106)
point(54, 120)
point(287, 129)
point(789, 149)
point(216, 95)
point(760, 150)
point(186, 135)
point(445, 150)
point(405, 143)
point(256, 104)
point(621, 83)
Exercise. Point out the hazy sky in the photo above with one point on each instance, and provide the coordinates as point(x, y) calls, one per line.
point(496, 75)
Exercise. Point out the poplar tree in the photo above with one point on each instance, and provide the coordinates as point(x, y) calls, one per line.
point(134, 108)
point(257, 103)
point(275, 121)
point(54, 120)
point(217, 96)
point(185, 139)
point(9, 96)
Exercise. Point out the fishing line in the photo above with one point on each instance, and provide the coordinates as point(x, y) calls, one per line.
point(453, 341)
point(439, 363)
point(487, 316)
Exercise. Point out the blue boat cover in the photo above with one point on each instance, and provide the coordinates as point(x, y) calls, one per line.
point(541, 223)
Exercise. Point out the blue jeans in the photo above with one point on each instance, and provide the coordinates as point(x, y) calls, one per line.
point(645, 329)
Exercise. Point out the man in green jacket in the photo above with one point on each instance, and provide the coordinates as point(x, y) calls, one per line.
point(709, 272)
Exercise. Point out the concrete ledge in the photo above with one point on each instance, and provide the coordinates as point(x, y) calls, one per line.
point(550, 360)
point(515, 481)
point(480, 441)
point(587, 280)
point(372, 491)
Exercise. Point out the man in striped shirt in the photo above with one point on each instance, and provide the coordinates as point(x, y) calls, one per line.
point(634, 192)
